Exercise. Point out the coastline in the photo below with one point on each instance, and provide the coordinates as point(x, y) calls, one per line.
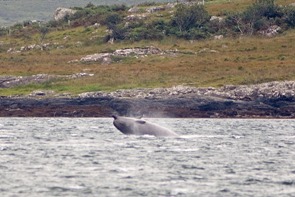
point(267, 100)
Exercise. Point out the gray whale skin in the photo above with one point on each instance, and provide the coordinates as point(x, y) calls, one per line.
point(133, 126)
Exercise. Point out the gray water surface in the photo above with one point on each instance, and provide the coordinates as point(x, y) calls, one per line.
point(89, 157)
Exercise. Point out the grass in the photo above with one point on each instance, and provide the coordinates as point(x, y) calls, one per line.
point(245, 60)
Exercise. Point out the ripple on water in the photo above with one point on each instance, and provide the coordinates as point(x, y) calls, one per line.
point(78, 157)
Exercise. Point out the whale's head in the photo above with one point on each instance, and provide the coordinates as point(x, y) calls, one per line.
point(123, 124)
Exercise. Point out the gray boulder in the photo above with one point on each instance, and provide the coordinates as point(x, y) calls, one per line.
point(61, 13)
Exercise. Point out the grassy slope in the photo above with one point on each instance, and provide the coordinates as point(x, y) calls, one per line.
point(245, 60)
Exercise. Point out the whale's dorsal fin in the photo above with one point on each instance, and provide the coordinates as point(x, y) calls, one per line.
point(140, 121)
point(139, 117)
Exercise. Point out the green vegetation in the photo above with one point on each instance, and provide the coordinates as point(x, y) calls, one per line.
point(243, 56)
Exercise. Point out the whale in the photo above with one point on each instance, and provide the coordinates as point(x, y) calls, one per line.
point(135, 126)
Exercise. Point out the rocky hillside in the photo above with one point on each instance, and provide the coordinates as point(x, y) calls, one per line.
point(12, 12)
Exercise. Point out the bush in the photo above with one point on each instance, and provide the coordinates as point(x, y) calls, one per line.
point(117, 8)
point(188, 17)
point(194, 34)
point(112, 19)
point(118, 32)
point(3, 31)
point(263, 8)
point(290, 16)
point(150, 31)
point(259, 16)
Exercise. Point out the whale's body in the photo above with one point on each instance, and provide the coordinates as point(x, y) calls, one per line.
point(133, 126)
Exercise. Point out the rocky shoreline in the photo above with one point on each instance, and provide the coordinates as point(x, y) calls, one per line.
point(267, 100)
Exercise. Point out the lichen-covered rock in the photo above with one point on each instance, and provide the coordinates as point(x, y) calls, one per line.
point(61, 13)
point(271, 31)
point(136, 17)
point(97, 57)
point(134, 9)
point(271, 90)
point(106, 58)
point(13, 81)
point(155, 9)
point(216, 18)
point(44, 46)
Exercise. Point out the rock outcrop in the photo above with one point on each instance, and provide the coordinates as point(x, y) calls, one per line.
point(270, 31)
point(267, 100)
point(107, 58)
point(271, 90)
point(13, 81)
point(61, 13)
point(45, 46)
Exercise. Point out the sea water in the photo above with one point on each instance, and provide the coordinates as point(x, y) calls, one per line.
point(89, 157)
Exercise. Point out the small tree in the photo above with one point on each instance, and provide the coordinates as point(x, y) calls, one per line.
point(43, 32)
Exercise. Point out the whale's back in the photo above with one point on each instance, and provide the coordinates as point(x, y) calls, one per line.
point(140, 127)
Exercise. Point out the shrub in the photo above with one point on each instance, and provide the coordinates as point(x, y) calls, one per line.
point(259, 16)
point(43, 31)
point(118, 32)
point(121, 7)
point(263, 8)
point(112, 19)
point(150, 31)
point(3, 31)
point(194, 34)
point(290, 16)
point(187, 17)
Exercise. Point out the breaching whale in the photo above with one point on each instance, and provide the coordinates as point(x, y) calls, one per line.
point(133, 126)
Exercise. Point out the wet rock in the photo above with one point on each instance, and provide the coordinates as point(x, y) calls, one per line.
point(42, 93)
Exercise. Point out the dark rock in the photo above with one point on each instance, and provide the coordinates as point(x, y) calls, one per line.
point(269, 100)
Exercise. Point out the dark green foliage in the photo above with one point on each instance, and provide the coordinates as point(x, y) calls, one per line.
point(263, 8)
point(43, 31)
point(3, 31)
point(112, 19)
point(118, 32)
point(139, 30)
point(117, 8)
point(91, 14)
point(290, 16)
point(188, 17)
point(259, 16)
point(188, 22)
point(193, 34)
